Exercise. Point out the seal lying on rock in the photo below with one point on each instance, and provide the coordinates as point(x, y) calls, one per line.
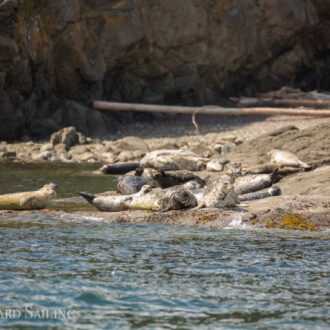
point(28, 200)
point(272, 191)
point(131, 184)
point(119, 168)
point(172, 160)
point(250, 183)
point(286, 158)
point(173, 198)
point(168, 179)
point(217, 194)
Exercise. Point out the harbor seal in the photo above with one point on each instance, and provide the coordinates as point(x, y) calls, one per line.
point(108, 203)
point(167, 179)
point(173, 198)
point(272, 191)
point(254, 182)
point(286, 158)
point(119, 168)
point(172, 160)
point(28, 200)
point(217, 194)
point(131, 184)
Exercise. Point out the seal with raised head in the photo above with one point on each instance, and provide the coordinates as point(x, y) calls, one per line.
point(108, 203)
point(167, 179)
point(131, 184)
point(218, 194)
point(119, 168)
point(28, 200)
point(286, 158)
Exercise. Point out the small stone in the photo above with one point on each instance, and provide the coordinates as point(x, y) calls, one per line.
point(45, 155)
point(47, 147)
point(86, 156)
point(60, 148)
point(108, 157)
point(132, 143)
point(78, 149)
point(68, 136)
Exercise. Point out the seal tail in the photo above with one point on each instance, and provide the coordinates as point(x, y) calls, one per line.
point(89, 197)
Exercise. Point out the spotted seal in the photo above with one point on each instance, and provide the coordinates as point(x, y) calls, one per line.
point(254, 182)
point(217, 194)
point(28, 200)
point(167, 179)
point(172, 160)
point(272, 191)
point(286, 158)
point(131, 184)
point(108, 203)
point(173, 198)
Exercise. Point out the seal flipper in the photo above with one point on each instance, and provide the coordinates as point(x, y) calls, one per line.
point(24, 201)
point(165, 209)
point(89, 197)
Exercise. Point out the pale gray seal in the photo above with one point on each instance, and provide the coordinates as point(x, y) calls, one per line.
point(272, 191)
point(172, 160)
point(286, 158)
point(108, 203)
point(250, 183)
point(28, 200)
point(173, 198)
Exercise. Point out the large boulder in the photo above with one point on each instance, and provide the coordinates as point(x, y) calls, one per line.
point(67, 136)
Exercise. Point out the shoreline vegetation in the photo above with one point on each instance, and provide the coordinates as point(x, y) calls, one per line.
point(304, 203)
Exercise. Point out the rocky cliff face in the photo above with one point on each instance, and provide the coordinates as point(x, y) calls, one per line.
point(58, 56)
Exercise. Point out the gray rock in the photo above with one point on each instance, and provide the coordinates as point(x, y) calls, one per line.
point(67, 136)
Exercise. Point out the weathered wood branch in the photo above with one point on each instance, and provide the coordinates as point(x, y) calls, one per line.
point(266, 102)
point(207, 110)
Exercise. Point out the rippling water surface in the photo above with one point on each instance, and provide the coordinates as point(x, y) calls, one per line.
point(74, 272)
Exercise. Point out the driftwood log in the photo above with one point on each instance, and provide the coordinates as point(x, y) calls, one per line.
point(207, 110)
point(286, 96)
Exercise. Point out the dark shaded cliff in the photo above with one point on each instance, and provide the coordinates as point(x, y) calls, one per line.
point(58, 56)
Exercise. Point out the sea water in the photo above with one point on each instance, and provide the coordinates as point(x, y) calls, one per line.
point(70, 271)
